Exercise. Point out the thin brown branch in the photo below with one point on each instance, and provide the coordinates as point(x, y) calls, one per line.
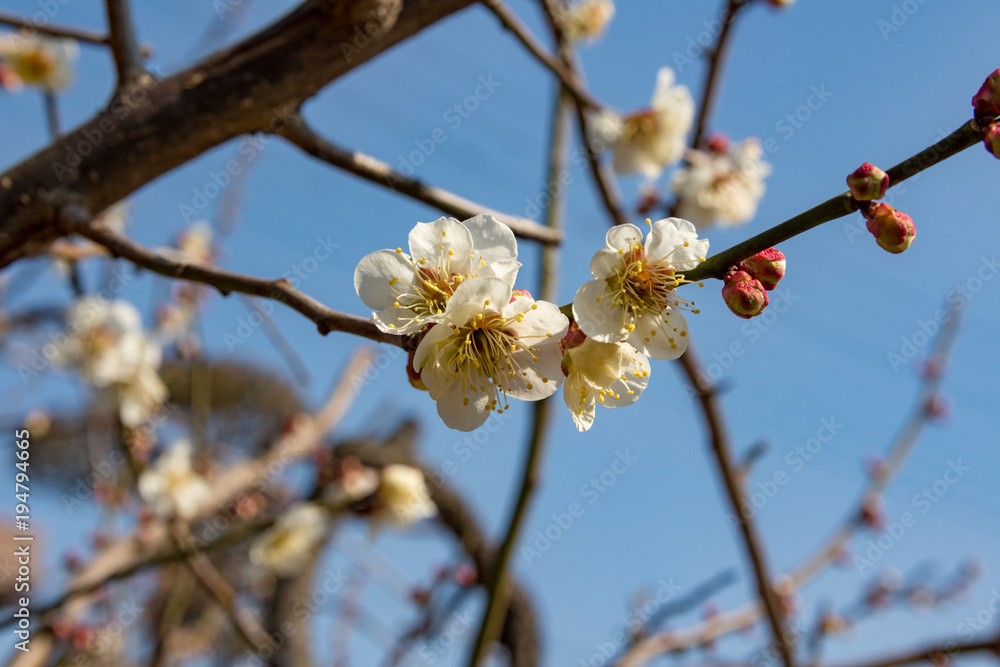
point(723, 458)
point(226, 282)
point(719, 264)
point(85, 36)
point(123, 42)
point(716, 56)
point(298, 132)
point(936, 655)
point(568, 77)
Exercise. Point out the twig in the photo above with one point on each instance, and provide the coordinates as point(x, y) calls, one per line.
point(717, 265)
point(298, 132)
point(123, 42)
point(85, 36)
point(716, 56)
point(933, 654)
point(568, 77)
point(723, 458)
point(226, 282)
point(497, 588)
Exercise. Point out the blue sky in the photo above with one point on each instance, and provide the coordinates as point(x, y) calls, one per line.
point(892, 87)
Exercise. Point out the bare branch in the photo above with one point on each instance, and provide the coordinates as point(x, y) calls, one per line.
point(934, 654)
point(298, 132)
point(565, 74)
point(123, 42)
point(85, 36)
point(723, 458)
point(226, 282)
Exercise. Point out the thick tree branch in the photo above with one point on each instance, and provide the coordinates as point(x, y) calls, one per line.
point(568, 77)
point(226, 282)
point(718, 265)
point(723, 458)
point(85, 36)
point(298, 132)
point(154, 126)
point(123, 42)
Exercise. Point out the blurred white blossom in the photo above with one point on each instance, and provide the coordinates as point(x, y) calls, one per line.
point(46, 62)
point(285, 548)
point(171, 486)
point(587, 20)
point(722, 186)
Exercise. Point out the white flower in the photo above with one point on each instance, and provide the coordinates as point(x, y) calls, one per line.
point(46, 62)
point(404, 495)
point(285, 548)
point(353, 482)
point(411, 291)
point(722, 187)
point(612, 374)
point(116, 217)
point(487, 349)
point(108, 346)
point(649, 140)
point(633, 294)
point(588, 19)
point(171, 486)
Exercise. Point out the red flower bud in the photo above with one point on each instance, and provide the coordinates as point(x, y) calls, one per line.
point(767, 266)
point(991, 139)
point(893, 230)
point(744, 295)
point(987, 100)
point(868, 182)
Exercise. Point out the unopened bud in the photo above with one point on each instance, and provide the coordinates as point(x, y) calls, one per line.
point(992, 139)
point(744, 295)
point(987, 100)
point(868, 182)
point(893, 230)
point(719, 143)
point(767, 266)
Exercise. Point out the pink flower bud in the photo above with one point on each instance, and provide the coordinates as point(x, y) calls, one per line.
point(719, 143)
point(893, 230)
point(519, 294)
point(868, 182)
point(466, 575)
point(744, 295)
point(987, 100)
point(574, 338)
point(992, 139)
point(767, 266)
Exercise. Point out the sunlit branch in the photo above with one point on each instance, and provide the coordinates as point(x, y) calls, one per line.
point(226, 282)
point(717, 265)
point(298, 132)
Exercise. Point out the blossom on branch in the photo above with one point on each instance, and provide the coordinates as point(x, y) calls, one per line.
point(648, 141)
point(404, 497)
point(488, 347)
point(723, 184)
point(285, 548)
point(46, 62)
point(587, 20)
point(609, 374)
point(632, 297)
point(171, 486)
point(410, 291)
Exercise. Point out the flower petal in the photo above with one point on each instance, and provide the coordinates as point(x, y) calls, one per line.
point(606, 262)
point(432, 241)
point(666, 242)
point(597, 315)
point(580, 402)
point(472, 296)
point(495, 247)
point(374, 274)
point(623, 237)
point(661, 336)
point(456, 414)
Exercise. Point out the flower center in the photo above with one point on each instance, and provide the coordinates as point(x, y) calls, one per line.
point(486, 356)
point(641, 126)
point(37, 66)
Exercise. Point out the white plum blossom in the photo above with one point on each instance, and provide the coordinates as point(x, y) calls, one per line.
point(648, 141)
point(487, 348)
point(194, 245)
point(285, 548)
point(410, 291)
point(171, 486)
point(109, 347)
point(587, 20)
point(609, 374)
point(46, 62)
point(632, 297)
point(721, 186)
point(403, 492)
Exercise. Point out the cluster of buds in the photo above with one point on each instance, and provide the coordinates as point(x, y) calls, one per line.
point(746, 286)
point(987, 101)
point(893, 230)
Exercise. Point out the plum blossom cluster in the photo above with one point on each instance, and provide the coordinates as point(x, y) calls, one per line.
point(745, 287)
point(893, 230)
point(480, 344)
